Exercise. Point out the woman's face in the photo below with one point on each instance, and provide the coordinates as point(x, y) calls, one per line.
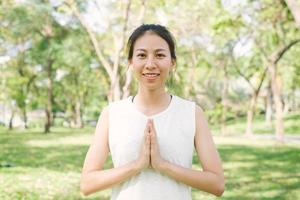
point(151, 61)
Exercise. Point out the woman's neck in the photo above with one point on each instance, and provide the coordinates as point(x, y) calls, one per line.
point(152, 98)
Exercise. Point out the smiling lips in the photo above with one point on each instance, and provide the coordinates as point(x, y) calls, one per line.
point(151, 76)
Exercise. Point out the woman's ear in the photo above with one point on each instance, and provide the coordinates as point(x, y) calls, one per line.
point(173, 64)
point(130, 63)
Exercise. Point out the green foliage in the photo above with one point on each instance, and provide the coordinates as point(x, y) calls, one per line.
point(227, 23)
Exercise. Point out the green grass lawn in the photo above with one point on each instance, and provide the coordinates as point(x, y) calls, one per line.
point(237, 126)
point(39, 166)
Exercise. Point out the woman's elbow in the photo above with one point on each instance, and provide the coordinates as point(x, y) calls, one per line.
point(219, 191)
point(84, 188)
point(220, 188)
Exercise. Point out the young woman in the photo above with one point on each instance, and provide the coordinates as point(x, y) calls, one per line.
point(151, 136)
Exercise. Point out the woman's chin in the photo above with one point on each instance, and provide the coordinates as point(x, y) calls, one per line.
point(152, 87)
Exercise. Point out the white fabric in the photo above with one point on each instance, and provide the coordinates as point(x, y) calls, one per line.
point(175, 128)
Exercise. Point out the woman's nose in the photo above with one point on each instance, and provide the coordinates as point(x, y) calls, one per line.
point(150, 63)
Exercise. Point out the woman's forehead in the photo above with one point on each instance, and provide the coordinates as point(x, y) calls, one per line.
point(151, 41)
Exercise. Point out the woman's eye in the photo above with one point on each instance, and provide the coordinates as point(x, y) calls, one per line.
point(160, 55)
point(141, 55)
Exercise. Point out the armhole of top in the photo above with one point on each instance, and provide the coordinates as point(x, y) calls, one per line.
point(109, 107)
point(194, 117)
point(109, 113)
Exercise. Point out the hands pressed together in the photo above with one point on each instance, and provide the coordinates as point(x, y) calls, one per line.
point(149, 154)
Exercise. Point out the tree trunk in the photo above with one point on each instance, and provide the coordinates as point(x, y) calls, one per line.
point(11, 119)
point(294, 99)
point(126, 87)
point(48, 121)
point(191, 87)
point(276, 86)
point(272, 61)
point(286, 105)
point(78, 115)
point(48, 110)
point(269, 109)
point(250, 115)
point(188, 86)
point(276, 90)
point(114, 93)
point(24, 112)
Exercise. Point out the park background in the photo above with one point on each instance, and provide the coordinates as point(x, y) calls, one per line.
point(62, 61)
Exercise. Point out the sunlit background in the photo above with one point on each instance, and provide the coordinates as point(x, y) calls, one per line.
point(61, 62)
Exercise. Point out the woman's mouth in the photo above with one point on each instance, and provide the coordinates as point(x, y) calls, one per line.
point(151, 76)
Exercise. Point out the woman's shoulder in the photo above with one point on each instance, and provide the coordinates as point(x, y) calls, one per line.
point(184, 101)
point(120, 106)
point(190, 103)
point(120, 102)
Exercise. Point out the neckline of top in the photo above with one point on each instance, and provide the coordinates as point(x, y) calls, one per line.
point(173, 99)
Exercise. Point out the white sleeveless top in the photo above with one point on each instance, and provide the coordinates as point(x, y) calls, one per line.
point(175, 129)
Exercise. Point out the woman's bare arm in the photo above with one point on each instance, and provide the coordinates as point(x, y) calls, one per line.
point(211, 179)
point(93, 177)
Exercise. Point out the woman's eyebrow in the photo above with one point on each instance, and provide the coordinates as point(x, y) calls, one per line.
point(161, 50)
point(140, 50)
point(156, 50)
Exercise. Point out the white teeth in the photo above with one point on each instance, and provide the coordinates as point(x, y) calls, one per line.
point(151, 75)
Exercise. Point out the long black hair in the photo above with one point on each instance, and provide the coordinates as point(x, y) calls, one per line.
point(160, 30)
